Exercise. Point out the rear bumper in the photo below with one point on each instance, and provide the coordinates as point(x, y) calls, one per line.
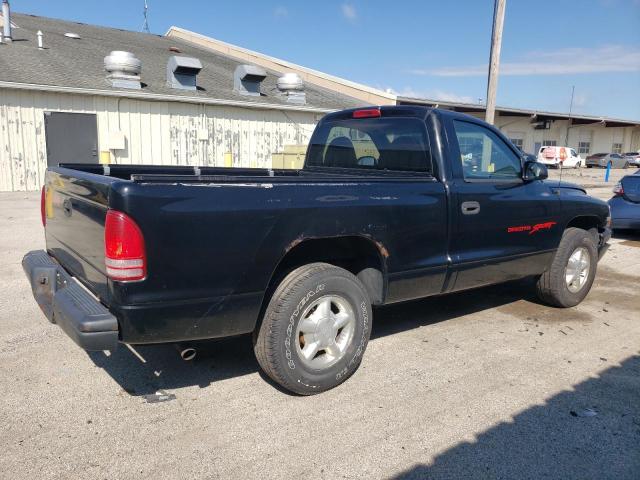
point(66, 303)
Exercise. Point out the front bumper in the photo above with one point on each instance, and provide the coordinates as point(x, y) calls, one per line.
point(66, 303)
point(605, 236)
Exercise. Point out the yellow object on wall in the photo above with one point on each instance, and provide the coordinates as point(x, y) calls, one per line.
point(105, 157)
point(292, 157)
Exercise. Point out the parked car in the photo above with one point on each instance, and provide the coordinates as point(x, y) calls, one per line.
point(424, 202)
point(625, 204)
point(560, 157)
point(633, 158)
point(603, 159)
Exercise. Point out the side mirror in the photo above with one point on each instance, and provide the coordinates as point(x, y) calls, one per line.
point(534, 171)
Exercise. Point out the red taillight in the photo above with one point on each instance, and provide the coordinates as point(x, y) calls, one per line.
point(618, 190)
point(124, 252)
point(367, 113)
point(43, 205)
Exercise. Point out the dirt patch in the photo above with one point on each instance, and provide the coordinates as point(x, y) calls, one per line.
point(631, 243)
point(535, 312)
point(614, 277)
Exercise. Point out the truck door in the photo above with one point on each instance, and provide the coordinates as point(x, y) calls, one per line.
point(504, 228)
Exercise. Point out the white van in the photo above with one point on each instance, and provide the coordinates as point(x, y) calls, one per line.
point(565, 157)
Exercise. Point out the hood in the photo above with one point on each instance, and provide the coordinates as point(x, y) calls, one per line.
point(565, 185)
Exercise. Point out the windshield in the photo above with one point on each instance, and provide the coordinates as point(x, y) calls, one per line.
point(395, 143)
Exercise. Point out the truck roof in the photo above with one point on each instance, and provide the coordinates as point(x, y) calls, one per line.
point(397, 111)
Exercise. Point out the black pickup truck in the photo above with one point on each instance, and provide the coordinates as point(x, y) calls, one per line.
point(393, 204)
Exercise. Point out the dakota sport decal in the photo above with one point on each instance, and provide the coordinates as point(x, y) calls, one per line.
point(531, 228)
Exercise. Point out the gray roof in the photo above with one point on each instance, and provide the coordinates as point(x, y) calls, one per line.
point(66, 62)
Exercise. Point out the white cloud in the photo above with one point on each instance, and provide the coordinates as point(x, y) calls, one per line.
point(612, 58)
point(349, 11)
point(280, 12)
point(433, 95)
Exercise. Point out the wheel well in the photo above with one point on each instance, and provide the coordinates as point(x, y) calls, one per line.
point(359, 255)
point(589, 223)
point(585, 222)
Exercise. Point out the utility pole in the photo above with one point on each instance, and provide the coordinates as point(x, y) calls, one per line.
point(494, 63)
point(566, 138)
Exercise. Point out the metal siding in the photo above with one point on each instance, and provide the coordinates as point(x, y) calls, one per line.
point(156, 132)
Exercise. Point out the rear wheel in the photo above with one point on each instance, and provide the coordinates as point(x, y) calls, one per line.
point(315, 329)
point(569, 278)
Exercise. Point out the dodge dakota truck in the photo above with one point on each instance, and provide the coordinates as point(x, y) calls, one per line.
point(393, 204)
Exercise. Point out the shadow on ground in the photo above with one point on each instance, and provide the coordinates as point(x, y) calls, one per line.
point(548, 441)
point(218, 360)
point(627, 235)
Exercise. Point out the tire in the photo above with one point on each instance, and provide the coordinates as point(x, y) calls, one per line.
point(626, 165)
point(320, 294)
point(553, 287)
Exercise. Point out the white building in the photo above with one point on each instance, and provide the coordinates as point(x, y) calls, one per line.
point(58, 104)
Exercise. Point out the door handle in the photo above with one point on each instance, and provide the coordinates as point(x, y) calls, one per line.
point(470, 208)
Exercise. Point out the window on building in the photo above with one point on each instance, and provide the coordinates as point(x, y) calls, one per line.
point(616, 148)
point(584, 148)
point(518, 142)
point(549, 143)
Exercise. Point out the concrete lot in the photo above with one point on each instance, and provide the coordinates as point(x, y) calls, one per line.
point(484, 384)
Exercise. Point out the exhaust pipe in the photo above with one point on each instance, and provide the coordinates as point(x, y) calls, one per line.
point(187, 353)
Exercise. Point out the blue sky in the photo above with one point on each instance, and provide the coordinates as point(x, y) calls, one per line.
point(431, 49)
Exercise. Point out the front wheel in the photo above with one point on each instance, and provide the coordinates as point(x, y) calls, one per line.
point(569, 278)
point(315, 329)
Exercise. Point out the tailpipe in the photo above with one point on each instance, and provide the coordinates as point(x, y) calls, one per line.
point(187, 352)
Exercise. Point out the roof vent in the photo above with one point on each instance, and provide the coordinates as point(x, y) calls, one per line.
point(291, 87)
point(247, 79)
point(124, 69)
point(182, 72)
point(6, 19)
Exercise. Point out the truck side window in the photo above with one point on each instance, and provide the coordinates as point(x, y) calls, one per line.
point(389, 144)
point(483, 154)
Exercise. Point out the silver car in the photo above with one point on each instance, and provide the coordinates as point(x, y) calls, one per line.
point(633, 158)
point(603, 159)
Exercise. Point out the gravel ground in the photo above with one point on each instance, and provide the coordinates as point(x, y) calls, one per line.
point(483, 384)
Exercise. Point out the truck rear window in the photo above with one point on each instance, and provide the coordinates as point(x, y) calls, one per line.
point(396, 144)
